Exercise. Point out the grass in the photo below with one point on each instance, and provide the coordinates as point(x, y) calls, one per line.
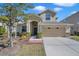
point(31, 50)
point(75, 38)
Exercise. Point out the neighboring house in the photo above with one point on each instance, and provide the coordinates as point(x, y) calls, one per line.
point(73, 19)
point(44, 23)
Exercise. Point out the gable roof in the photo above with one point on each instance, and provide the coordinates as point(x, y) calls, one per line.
point(34, 17)
point(48, 11)
point(73, 19)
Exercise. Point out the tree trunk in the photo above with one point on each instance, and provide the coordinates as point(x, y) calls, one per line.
point(10, 26)
point(10, 38)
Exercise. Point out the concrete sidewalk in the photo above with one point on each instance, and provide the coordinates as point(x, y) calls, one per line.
point(59, 46)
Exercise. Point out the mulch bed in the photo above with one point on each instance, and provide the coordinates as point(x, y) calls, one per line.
point(11, 51)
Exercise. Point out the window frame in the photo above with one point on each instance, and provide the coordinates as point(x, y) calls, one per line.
point(24, 29)
point(48, 16)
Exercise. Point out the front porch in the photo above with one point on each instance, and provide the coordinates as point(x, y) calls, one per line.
point(31, 27)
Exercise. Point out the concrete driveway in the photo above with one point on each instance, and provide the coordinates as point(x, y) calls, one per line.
point(59, 46)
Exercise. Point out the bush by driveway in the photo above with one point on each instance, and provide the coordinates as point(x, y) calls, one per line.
point(75, 38)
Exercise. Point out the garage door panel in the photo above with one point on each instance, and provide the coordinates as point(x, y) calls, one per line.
point(53, 31)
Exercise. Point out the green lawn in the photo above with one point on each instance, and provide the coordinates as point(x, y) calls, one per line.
point(75, 38)
point(31, 50)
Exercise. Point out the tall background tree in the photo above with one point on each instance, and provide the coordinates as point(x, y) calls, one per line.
point(9, 13)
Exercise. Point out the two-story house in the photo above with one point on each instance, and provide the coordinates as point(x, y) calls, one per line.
point(44, 23)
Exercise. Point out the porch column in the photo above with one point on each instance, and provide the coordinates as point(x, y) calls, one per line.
point(28, 26)
point(39, 27)
point(68, 30)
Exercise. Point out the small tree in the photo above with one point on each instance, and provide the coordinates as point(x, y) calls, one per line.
point(11, 12)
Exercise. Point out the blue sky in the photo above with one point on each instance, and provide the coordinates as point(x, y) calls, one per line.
point(62, 10)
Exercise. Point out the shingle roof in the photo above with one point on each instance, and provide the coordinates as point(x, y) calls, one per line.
point(46, 11)
point(74, 18)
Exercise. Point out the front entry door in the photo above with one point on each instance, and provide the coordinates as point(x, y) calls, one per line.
point(35, 31)
point(34, 28)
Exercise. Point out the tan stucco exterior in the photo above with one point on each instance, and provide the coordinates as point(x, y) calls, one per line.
point(48, 28)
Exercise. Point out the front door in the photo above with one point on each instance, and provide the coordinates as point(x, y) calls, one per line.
point(35, 31)
point(34, 28)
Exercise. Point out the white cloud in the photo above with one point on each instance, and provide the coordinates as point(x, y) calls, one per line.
point(65, 4)
point(57, 9)
point(40, 8)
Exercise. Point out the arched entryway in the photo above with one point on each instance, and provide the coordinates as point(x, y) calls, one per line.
point(34, 28)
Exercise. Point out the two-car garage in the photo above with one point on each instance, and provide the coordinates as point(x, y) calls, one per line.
point(53, 30)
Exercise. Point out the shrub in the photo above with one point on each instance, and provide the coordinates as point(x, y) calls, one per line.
point(24, 33)
point(29, 34)
point(39, 35)
point(3, 36)
point(75, 38)
point(25, 36)
point(77, 33)
point(2, 30)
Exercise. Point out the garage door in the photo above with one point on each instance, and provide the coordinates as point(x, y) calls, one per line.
point(54, 31)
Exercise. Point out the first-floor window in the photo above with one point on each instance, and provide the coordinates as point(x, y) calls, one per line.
point(23, 28)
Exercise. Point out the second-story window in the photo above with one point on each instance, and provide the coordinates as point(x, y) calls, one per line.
point(48, 16)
